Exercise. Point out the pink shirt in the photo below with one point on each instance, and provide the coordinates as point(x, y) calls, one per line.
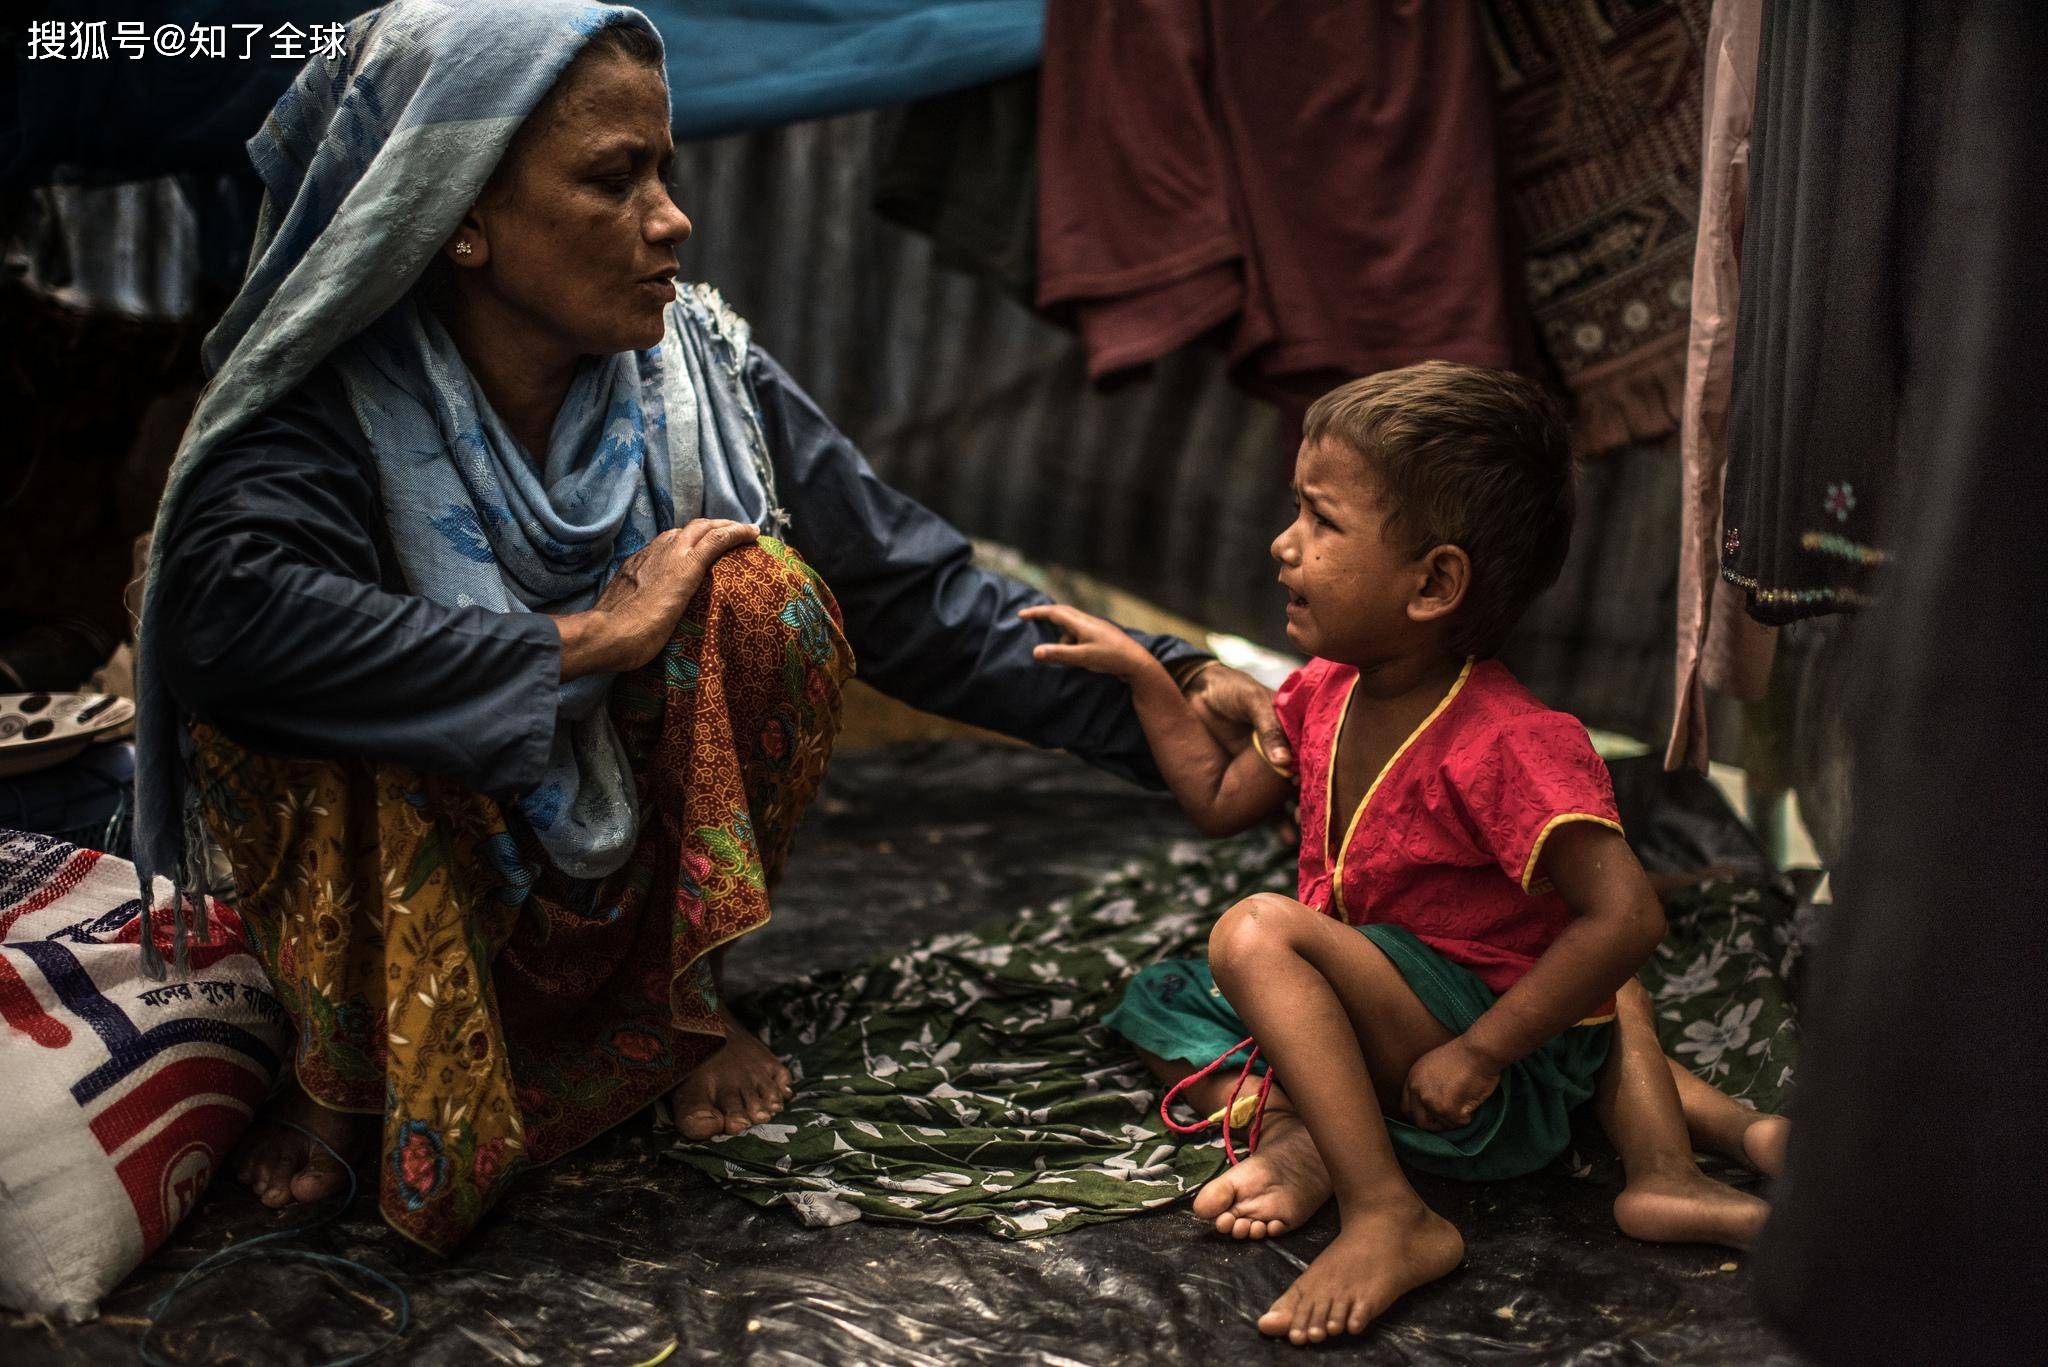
point(1445, 842)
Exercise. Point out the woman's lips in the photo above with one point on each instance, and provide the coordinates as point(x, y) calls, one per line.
point(660, 288)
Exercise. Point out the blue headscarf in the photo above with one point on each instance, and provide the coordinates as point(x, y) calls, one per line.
point(369, 161)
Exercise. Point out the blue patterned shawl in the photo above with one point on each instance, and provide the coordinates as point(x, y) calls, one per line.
point(368, 163)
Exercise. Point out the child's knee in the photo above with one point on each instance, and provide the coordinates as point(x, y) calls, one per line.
point(1252, 932)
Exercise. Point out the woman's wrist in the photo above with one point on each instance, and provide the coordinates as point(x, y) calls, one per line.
point(588, 645)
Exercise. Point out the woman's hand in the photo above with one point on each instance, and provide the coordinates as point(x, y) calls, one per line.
point(1089, 643)
point(637, 612)
point(1235, 706)
point(1447, 1086)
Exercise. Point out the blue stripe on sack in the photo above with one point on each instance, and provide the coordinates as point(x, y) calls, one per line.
point(128, 1047)
point(31, 861)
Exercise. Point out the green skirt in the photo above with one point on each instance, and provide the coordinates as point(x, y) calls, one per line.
point(1175, 1010)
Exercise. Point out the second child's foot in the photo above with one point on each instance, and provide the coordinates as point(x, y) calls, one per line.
point(1763, 1144)
point(1689, 1208)
point(1378, 1257)
point(741, 1085)
point(1275, 1190)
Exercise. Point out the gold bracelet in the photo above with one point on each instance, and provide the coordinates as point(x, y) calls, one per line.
point(1284, 773)
point(1184, 676)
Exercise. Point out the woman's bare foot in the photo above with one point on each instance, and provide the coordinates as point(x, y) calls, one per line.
point(282, 1165)
point(1689, 1208)
point(1275, 1190)
point(1380, 1255)
point(742, 1084)
point(1763, 1144)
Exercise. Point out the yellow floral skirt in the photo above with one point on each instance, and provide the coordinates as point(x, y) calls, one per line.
point(442, 974)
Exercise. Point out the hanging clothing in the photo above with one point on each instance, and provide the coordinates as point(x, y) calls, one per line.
point(963, 170)
point(1907, 1227)
point(1315, 179)
point(1849, 104)
point(1600, 126)
point(1719, 645)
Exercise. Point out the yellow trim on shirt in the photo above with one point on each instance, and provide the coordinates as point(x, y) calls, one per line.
point(1542, 836)
point(1330, 779)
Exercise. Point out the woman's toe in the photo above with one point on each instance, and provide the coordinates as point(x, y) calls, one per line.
point(701, 1122)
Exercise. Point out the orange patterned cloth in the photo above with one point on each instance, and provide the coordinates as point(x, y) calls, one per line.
point(493, 1011)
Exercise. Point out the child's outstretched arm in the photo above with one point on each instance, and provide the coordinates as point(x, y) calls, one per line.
point(1223, 794)
point(1617, 924)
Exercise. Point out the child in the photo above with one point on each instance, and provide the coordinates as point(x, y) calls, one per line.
point(1457, 971)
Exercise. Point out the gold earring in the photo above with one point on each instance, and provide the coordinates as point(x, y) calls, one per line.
point(463, 249)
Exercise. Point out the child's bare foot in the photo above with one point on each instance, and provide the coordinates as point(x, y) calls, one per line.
point(1379, 1256)
point(1275, 1190)
point(1763, 1144)
point(1689, 1208)
point(281, 1165)
point(742, 1084)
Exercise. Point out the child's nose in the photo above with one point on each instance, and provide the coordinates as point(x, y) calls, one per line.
point(1282, 549)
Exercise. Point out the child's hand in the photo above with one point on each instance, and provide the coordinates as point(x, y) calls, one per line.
point(1088, 643)
point(1446, 1087)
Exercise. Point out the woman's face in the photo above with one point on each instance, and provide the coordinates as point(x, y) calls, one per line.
point(578, 232)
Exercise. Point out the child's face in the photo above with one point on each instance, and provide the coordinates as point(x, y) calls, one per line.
point(1348, 584)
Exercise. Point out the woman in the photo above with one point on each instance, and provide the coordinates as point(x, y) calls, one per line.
point(463, 638)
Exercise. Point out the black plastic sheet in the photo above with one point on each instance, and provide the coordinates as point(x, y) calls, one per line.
point(616, 1253)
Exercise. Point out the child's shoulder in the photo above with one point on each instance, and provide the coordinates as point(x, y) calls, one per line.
point(1496, 710)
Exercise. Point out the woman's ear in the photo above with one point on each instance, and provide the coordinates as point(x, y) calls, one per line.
point(468, 246)
point(1446, 574)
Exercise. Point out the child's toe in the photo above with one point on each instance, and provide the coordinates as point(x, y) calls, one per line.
point(1279, 1317)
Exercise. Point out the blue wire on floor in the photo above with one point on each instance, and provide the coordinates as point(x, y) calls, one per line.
point(262, 1246)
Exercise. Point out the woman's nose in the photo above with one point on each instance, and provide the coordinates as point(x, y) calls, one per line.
point(669, 224)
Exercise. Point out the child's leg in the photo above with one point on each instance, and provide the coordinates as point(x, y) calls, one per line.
point(1721, 1124)
point(1275, 1190)
point(1342, 1029)
point(1667, 1199)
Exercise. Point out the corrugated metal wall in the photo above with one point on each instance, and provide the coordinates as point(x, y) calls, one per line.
point(1172, 486)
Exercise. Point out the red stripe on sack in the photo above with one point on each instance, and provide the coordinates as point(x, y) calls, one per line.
point(61, 883)
point(223, 925)
point(20, 1009)
point(165, 1176)
point(199, 1075)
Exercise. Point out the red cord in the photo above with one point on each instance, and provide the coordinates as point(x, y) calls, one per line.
point(1230, 1106)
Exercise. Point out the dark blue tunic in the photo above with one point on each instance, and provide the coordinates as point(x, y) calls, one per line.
point(289, 626)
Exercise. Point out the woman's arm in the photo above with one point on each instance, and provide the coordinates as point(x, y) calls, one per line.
point(1616, 926)
point(278, 630)
point(1221, 793)
point(927, 625)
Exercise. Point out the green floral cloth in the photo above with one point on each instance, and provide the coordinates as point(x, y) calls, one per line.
point(971, 1080)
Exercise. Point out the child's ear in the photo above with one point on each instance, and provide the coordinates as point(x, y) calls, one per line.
point(1446, 574)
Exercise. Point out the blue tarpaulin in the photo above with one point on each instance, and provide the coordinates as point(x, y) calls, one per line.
point(733, 65)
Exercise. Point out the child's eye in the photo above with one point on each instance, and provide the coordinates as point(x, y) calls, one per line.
point(1322, 521)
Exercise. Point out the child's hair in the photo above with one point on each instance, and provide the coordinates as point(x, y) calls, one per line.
point(1468, 457)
